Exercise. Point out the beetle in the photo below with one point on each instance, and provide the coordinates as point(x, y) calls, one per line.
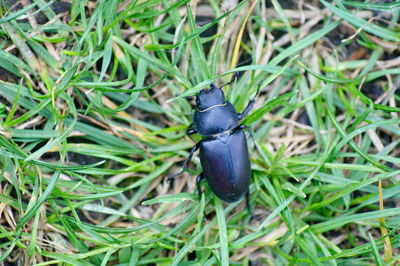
point(224, 154)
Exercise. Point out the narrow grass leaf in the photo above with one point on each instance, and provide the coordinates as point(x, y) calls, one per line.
point(223, 237)
point(24, 219)
point(375, 251)
point(342, 220)
point(171, 198)
point(307, 41)
point(106, 58)
point(13, 106)
point(374, 6)
point(65, 258)
point(356, 147)
point(324, 78)
point(15, 15)
point(269, 106)
point(350, 188)
point(384, 33)
point(60, 138)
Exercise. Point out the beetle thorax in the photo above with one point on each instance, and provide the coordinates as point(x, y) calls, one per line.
point(216, 120)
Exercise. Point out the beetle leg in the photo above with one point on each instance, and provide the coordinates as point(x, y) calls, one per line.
point(234, 77)
point(247, 110)
point(190, 130)
point(248, 204)
point(198, 180)
point(248, 201)
point(187, 161)
point(250, 105)
point(248, 207)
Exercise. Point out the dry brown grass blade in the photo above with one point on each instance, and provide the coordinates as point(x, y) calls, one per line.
point(235, 55)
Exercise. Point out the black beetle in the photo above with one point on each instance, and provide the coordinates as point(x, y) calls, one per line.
point(224, 154)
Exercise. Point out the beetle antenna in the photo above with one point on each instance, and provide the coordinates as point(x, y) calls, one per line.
point(212, 86)
point(234, 77)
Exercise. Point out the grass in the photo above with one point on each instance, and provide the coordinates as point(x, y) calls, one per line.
point(93, 118)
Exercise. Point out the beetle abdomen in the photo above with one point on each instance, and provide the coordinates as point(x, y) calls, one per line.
point(226, 165)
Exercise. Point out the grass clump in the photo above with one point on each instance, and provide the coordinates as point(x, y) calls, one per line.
point(93, 118)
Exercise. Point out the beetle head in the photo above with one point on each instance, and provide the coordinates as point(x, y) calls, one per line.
point(210, 97)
